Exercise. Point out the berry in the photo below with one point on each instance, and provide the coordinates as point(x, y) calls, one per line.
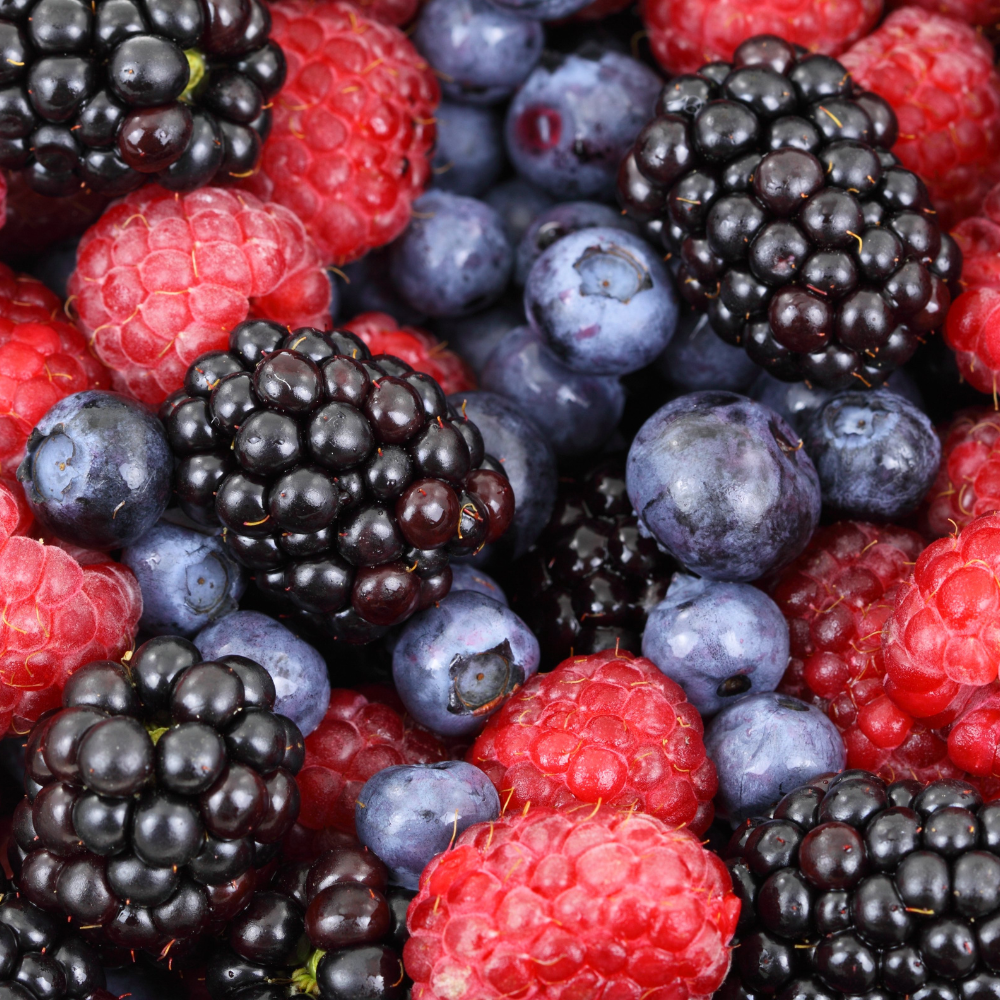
point(797, 231)
point(349, 168)
point(466, 577)
point(981, 13)
point(474, 338)
point(97, 470)
point(518, 202)
point(419, 349)
point(606, 728)
point(697, 359)
point(468, 153)
point(457, 662)
point(154, 787)
point(680, 471)
point(684, 36)
point(161, 278)
point(357, 738)
point(937, 74)
point(589, 885)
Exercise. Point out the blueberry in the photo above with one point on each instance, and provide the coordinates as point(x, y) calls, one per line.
point(875, 452)
point(365, 286)
point(719, 641)
point(574, 119)
point(526, 457)
point(466, 577)
point(602, 300)
point(408, 813)
point(456, 663)
point(474, 337)
point(298, 671)
point(575, 413)
point(541, 10)
point(696, 358)
point(482, 53)
point(188, 579)
point(766, 745)
point(724, 485)
point(517, 201)
point(97, 470)
point(454, 258)
point(468, 156)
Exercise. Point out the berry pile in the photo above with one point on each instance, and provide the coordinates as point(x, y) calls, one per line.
point(798, 231)
point(345, 481)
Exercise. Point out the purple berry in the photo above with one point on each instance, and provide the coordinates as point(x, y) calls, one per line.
point(696, 358)
point(474, 337)
point(518, 202)
point(467, 577)
point(468, 157)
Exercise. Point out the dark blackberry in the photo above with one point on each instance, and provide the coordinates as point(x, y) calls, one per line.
point(855, 888)
point(112, 94)
point(153, 796)
point(793, 227)
point(333, 473)
point(590, 580)
point(333, 929)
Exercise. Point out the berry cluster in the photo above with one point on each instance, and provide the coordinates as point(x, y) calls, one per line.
point(796, 228)
point(343, 480)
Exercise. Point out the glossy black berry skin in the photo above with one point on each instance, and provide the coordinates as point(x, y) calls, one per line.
point(783, 176)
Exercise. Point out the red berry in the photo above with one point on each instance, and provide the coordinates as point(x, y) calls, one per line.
point(607, 728)
point(981, 13)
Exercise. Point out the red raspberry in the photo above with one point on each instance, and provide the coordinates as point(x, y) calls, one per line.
point(357, 738)
point(606, 728)
point(353, 129)
point(417, 348)
point(565, 904)
point(685, 34)
point(938, 75)
point(981, 13)
point(62, 607)
point(161, 278)
point(397, 12)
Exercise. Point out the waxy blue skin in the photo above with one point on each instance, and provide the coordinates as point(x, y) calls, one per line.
point(518, 202)
point(475, 337)
point(603, 301)
point(542, 10)
point(875, 452)
point(724, 485)
point(298, 671)
point(465, 576)
point(454, 259)
point(188, 579)
point(463, 623)
point(480, 52)
point(409, 813)
point(97, 470)
point(697, 358)
point(575, 118)
point(468, 155)
point(575, 413)
point(766, 745)
point(705, 633)
point(559, 221)
point(365, 286)
point(527, 458)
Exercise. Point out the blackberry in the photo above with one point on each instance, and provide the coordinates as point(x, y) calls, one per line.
point(344, 481)
point(112, 94)
point(333, 928)
point(590, 580)
point(154, 795)
point(852, 886)
point(790, 223)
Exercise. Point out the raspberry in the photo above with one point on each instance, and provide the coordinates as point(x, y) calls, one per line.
point(981, 13)
point(938, 75)
point(357, 738)
point(350, 146)
point(419, 349)
point(684, 34)
point(574, 903)
point(606, 728)
point(161, 278)
point(63, 607)
point(397, 12)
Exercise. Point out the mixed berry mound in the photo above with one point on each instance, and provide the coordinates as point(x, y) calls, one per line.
point(571, 903)
point(107, 95)
point(343, 480)
point(592, 578)
point(154, 794)
point(852, 886)
point(610, 729)
point(796, 228)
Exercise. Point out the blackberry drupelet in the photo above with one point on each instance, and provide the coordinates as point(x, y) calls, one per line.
point(771, 182)
point(591, 579)
point(109, 95)
point(852, 886)
point(154, 796)
point(344, 481)
point(333, 929)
